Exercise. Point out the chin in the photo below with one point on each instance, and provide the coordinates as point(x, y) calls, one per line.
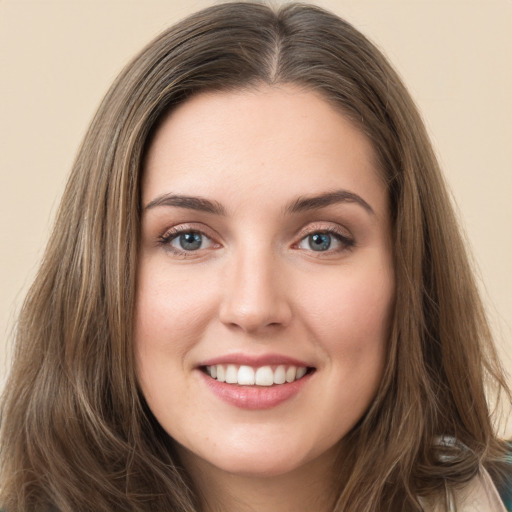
point(260, 466)
point(259, 460)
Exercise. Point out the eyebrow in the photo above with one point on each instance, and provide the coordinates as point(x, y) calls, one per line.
point(300, 205)
point(190, 202)
point(303, 204)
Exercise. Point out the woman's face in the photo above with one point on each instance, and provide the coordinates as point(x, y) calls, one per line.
point(265, 282)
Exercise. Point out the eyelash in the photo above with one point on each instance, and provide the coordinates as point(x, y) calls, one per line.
point(170, 235)
point(347, 243)
point(165, 240)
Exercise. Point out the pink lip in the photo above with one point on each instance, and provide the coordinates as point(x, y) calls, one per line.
point(255, 361)
point(249, 397)
point(254, 397)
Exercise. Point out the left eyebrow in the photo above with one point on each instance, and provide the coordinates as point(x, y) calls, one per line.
point(306, 203)
point(188, 202)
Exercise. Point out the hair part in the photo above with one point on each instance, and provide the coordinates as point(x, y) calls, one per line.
point(76, 433)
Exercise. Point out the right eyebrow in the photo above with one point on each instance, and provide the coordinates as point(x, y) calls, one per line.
point(303, 204)
point(190, 202)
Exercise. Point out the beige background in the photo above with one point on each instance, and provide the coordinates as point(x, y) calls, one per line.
point(57, 59)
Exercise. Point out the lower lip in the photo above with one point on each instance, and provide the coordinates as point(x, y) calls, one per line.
point(255, 397)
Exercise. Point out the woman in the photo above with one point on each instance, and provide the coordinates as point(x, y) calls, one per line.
point(255, 296)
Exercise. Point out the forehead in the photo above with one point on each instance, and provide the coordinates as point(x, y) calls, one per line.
point(281, 138)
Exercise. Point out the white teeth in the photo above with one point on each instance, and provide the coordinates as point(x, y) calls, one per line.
point(231, 374)
point(280, 375)
point(262, 376)
point(246, 376)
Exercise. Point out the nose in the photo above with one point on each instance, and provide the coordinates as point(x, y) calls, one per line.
point(255, 298)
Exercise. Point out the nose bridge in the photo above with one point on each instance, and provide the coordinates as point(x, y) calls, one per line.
point(255, 296)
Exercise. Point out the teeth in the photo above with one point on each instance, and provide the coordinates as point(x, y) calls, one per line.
point(290, 374)
point(231, 374)
point(246, 376)
point(280, 375)
point(261, 376)
point(264, 376)
point(301, 371)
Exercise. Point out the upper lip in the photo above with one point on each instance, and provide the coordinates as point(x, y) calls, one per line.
point(255, 360)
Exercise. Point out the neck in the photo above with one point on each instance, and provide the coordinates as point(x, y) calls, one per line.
point(311, 487)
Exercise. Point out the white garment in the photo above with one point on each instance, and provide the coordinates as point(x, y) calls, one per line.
point(478, 495)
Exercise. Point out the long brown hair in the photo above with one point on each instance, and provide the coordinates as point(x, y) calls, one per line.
point(75, 431)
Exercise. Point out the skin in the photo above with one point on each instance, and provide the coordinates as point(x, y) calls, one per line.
point(256, 286)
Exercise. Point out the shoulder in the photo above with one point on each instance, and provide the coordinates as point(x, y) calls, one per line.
point(478, 495)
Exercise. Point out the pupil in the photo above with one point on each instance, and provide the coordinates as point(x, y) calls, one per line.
point(320, 241)
point(190, 241)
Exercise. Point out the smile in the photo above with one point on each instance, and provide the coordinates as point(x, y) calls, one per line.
point(244, 375)
point(256, 382)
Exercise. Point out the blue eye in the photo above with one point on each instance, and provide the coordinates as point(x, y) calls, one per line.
point(319, 241)
point(326, 241)
point(182, 242)
point(190, 241)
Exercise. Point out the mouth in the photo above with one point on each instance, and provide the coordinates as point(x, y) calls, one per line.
point(256, 382)
point(259, 376)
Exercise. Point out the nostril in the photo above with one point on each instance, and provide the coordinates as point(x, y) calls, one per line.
point(266, 317)
point(252, 299)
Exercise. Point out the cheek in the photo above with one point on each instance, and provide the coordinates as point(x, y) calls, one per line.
point(349, 320)
point(171, 310)
point(352, 309)
point(351, 325)
point(170, 318)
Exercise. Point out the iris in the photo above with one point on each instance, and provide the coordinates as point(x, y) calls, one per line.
point(319, 241)
point(190, 241)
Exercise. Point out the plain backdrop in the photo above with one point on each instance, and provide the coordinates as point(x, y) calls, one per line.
point(57, 59)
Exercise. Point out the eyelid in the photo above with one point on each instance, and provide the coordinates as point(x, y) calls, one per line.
point(172, 232)
point(342, 234)
point(325, 227)
point(185, 227)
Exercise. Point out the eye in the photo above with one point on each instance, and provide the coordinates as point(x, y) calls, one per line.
point(190, 241)
point(182, 241)
point(325, 241)
point(319, 241)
